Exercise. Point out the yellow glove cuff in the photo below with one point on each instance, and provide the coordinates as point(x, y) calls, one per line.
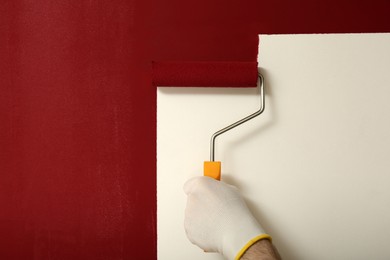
point(250, 243)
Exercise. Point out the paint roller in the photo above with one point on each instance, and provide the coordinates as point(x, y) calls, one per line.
point(211, 74)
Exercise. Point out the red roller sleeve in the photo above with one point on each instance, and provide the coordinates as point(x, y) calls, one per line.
point(204, 74)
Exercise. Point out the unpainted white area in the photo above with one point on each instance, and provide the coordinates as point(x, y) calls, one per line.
point(314, 168)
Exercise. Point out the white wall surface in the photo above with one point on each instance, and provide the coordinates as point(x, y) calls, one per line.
point(314, 168)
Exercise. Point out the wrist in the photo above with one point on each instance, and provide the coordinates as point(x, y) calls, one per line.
point(262, 249)
point(252, 242)
point(243, 233)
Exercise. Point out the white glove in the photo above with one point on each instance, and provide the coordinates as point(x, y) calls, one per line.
point(217, 218)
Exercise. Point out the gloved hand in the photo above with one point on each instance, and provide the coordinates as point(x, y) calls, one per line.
point(217, 218)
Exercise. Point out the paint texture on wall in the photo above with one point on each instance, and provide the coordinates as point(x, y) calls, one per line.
point(77, 109)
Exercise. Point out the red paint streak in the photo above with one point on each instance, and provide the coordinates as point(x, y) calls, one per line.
point(206, 74)
point(77, 108)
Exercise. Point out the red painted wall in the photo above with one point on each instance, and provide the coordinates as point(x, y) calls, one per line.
point(77, 108)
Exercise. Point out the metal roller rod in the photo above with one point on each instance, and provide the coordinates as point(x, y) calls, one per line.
point(239, 122)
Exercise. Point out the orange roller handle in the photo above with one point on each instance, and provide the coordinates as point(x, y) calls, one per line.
point(212, 169)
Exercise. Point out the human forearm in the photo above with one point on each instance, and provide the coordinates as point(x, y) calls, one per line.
point(261, 250)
